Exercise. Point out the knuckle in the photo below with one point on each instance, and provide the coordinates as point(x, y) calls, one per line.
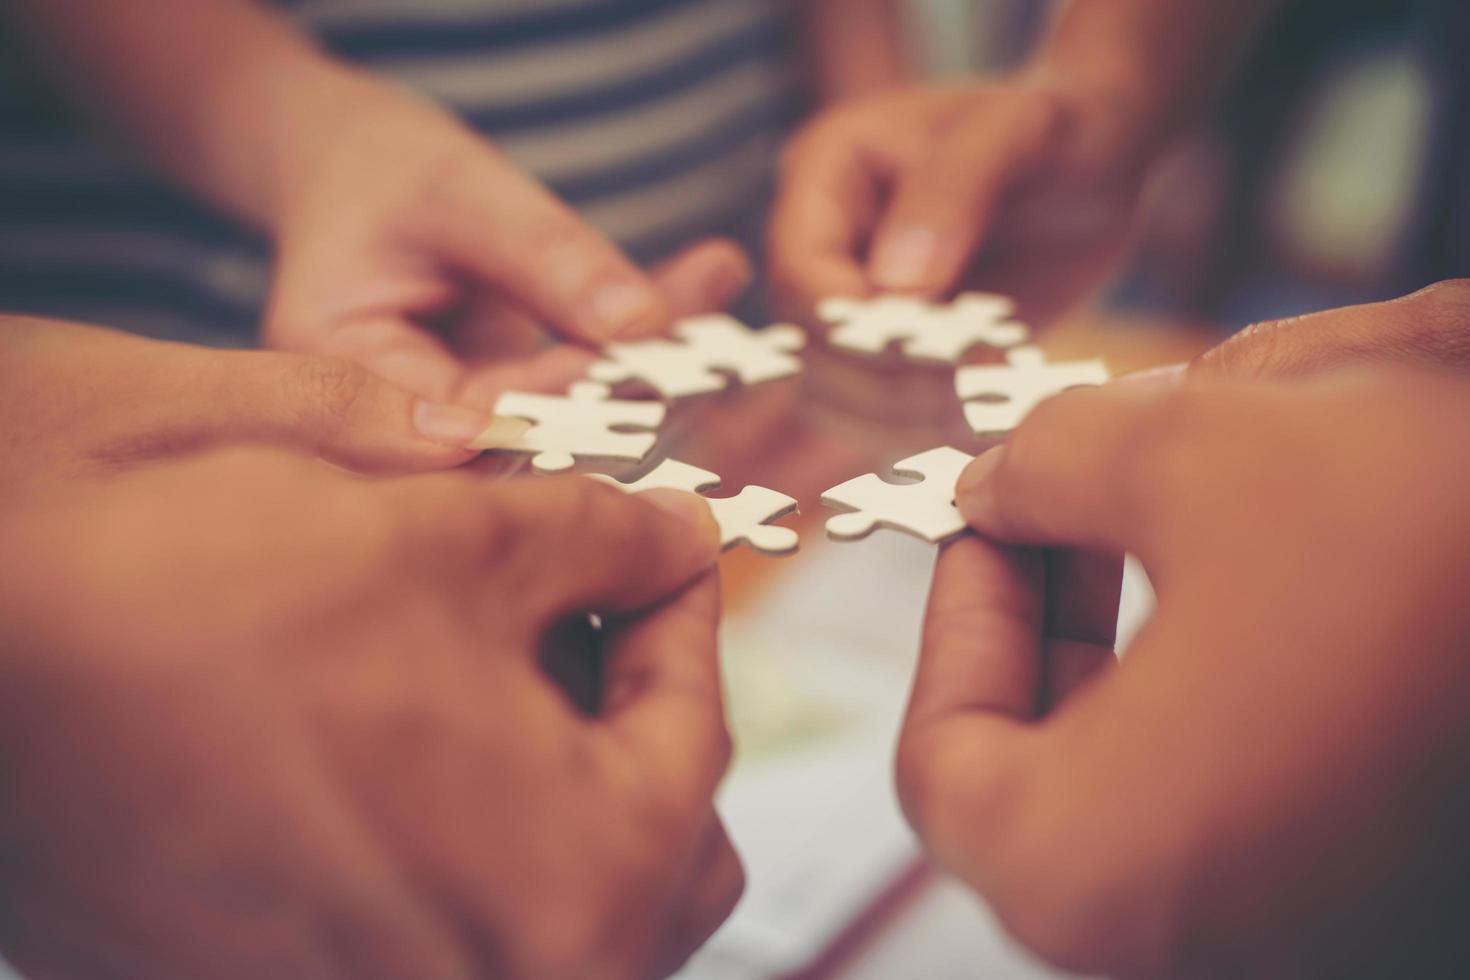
point(1439, 330)
point(1261, 350)
point(327, 392)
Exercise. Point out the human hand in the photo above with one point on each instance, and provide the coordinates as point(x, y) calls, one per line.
point(1428, 328)
point(1271, 782)
point(260, 718)
point(409, 244)
point(1017, 186)
point(80, 400)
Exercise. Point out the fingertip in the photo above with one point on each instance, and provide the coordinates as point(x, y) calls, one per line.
point(456, 426)
point(975, 490)
point(690, 509)
point(626, 308)
point(906, 260)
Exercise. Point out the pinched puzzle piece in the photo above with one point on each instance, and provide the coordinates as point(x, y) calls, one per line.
point(925, 509)
point(583, 424)
point(1008, 392)
point(743, 517)
point(707, 345)
point(928, 331)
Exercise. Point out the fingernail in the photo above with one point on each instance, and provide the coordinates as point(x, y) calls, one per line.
point(1169, 374)
point(904, 260)
point(618, 305)
point(978, 473)
point(501, 431)
point(451, 425)
point(689, 508)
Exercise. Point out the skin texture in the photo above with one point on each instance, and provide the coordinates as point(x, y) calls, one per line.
point(1430, 328)
point(340, 756)
point(85, 402)
point(1271, 782)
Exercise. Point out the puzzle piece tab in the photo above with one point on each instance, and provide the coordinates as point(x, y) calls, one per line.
point(583, 424)
point(744, 517)
point(925, 509)
point(928, 331)
point(1008, 392)
point(707, 345)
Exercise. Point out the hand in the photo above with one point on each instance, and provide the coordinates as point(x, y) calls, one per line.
point(1430, 328)
point(1011, 186)
point(408, 244)
point(263, 719)
point(1271, 782)
point(80, 400)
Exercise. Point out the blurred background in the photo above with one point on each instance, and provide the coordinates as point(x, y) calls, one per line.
point(1332, 171)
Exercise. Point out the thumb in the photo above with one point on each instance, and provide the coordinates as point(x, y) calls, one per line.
point(942, 210)
point(341, 412)
point(1429, 327)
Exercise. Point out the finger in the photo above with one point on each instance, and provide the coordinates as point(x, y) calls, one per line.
point(1083, 590)
point(1082, 595)
point(943, 208)
point(978, 680)
point(337, 410)
point(575, 545)
point(510, 232)
point(1078, 473)
point(705, 278)
point(1070, 666)
point(826, 207)
point(396, 349)
point(664, 706)
point(711, 895)
point(1429, 327)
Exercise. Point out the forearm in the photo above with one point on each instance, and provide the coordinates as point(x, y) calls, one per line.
point(211, 92)
point(1151, 65)
point(854, 47)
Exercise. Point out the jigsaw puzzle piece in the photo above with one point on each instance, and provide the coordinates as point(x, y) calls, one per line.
point(747, 515)
point(744, 517)
point(584, 424)
point(674, 370)
point(1008, 392)
point(927, 331)
point(753, 356)
point(668, 475)
point(925, 509)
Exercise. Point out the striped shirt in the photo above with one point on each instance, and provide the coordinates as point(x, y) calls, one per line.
point(658, 120)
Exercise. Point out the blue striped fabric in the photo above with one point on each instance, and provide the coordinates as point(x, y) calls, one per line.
point(658, 119)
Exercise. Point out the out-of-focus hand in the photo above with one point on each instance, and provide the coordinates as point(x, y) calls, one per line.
point(1272, 781)
point(407, 243)
point(1430, 327)
point(79, 400)
point(263, 719)
point(1011, 186)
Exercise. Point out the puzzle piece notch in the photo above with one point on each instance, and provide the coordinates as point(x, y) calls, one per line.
point(934, 332)
point(744, 517)
point(583, 424)
point(925, 509)
point(1008, 392)
point(706, 346)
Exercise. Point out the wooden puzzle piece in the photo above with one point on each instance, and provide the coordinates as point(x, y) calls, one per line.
point(706, 346)
point(1008, 392)
point(925, 509)
point(928, 331)
point(584, 424)
point(744, 517)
